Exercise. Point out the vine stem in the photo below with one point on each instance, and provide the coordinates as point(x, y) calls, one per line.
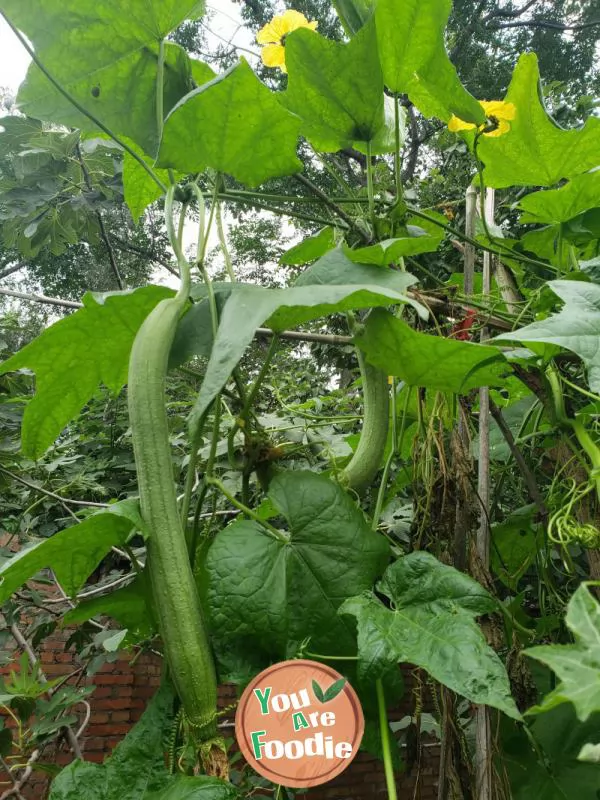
point(211, 481)
point(321, 657)
point(370, 189)
point(68, 96)
point(384, 729)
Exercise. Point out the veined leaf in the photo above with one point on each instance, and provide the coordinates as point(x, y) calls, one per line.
point(276, 592)
point(410, 35)
point(311, 248)
point(136, 770)
point(559, 205)
point(249, 306)
point(536, 151)
point(420, 359)
point(577, 665)
point(233, 124)
point(130, 607)
point(336, 88)
point(72, 357)
point(554, 771)
point(431, 624)
point(105, 54)
point(74, 553)
point(576, 327)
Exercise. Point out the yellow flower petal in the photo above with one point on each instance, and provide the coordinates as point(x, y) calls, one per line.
point(498, 109)
point(272, 33)
point(457, 124)
point(273, 55)
point(503, 127)
point(292, 20)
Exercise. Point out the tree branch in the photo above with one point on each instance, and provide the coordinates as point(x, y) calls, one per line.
point(510, 14)
point(132, 248)
point(408, 170)
point(546, 23)
point(103, 234)
point(528, 476)
point(10, 270)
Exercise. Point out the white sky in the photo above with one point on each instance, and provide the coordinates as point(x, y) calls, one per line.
point(224, 23)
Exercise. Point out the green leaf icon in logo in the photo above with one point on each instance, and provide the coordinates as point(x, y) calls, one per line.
point(328, 694)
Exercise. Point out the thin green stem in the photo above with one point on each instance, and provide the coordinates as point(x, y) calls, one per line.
point(389, 460)
point(223, 243)
point(398, 145)
point(463, 237)
point(68, 96)
point(160, 94)
point(370, 189)
point(384, 729)
point(279, 535)
point(321, 657)
point(175, 242)
point(279, 211)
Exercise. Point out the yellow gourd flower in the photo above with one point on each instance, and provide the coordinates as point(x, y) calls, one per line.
point(273, 34)
point(496, 110)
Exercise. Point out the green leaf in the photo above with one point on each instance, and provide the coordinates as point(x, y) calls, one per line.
point(136, 768)
point(72, 357)
point(335, 88)
point(590, 753)
point(575, 327)
point(559, 205)
point(138, 187)
point(311, 248)
point(333, 691)
point(277, 592)
point(390, 251)
point(431, 624)
point(555, 774)
point(420, 359)
point(577, 665)
point(130, 607)
point(183, 787)
point(515, 545)
point(248, 307)
point(536, 151)
point(233, 124)
point(338, 268)
point(318, 692)
point(73, 553)
point(353, 13)
point(105, 54)
point(410, 35)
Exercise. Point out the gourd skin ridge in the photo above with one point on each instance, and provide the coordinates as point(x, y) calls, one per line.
point(177, 604)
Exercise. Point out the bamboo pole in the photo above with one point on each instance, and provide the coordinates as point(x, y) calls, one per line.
point(483, 733)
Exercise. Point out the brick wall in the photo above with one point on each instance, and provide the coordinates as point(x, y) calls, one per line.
point(121, 693)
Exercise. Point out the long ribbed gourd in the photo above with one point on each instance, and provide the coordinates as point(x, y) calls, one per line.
point(368, 456)
point(181, 624)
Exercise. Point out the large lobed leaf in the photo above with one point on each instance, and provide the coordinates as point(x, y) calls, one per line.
point(413, 55)
point(233, 124)
point(431, 623)
point(336, 89)
point(576, 327)
point(105, 54)
point(560, 205)
point(421, 359)
point(74, 553)
point(577, 665)
point(136, 770)
point(72, 357)
point(276, 592)
point(554, 768)
point(536, 151)
point(248, 307)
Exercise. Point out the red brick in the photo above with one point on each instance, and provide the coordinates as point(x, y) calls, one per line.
point(110, 679)
point(111, 729)
point(109, 703)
